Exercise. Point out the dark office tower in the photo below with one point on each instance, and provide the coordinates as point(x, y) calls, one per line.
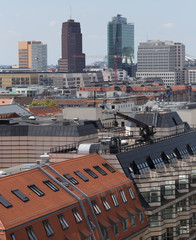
point(120, 42)
point(73, 60)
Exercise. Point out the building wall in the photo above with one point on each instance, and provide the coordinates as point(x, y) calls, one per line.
point(10, 79)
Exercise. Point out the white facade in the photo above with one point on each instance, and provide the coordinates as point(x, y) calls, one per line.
point(161, 59)
point(39, 57)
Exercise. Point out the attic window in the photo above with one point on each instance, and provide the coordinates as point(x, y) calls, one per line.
point(48, 228)
point(5, 202)
point(100, 170)
point(12, 236)
point(111, 169)
point(123, 196)
point(131, 193)
point(113, 196)
point(79, 174)
point(36, 190)
point(106, 204)
point(20, 195)
point(96, 208)
point(51, 185)
point(63, 222)
point(71, 179)
point(31, 234)
point(77, 215)
point(90, 172)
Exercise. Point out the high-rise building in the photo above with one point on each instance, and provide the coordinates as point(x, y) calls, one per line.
point(120, 42)
point(73, 60)
point(33, 54)
point(161, 59)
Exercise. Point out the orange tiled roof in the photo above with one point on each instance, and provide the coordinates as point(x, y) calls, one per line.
point(99, 187)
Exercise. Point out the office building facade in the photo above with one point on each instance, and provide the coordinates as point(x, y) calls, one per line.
point(161, 59)
point(73, 60)
point(120, 42)
point(33, 54)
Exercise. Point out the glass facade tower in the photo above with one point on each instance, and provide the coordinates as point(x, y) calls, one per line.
point(120, 42)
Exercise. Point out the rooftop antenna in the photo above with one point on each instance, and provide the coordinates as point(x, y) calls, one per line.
point(70, 11)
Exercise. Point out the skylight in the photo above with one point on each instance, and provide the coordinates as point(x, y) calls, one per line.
point(20, 195)
point(5, 202)
point(51, 185)
point(90, 172)
point(36, 190)
point(79, 174)
point(111, 169)
point(71, 179)
point(100, 170)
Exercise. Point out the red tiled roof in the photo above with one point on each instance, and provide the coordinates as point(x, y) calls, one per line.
point(45, 110)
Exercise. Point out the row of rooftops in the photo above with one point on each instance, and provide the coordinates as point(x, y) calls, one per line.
point(82, 196)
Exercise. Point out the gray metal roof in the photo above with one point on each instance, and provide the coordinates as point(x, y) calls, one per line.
point(162, 120)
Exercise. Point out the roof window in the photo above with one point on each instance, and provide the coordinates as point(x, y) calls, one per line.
point(90, 172)
point(71, 179)
point(5, 202)
point(36, 190)
point(100, 170)
point(79, 174)
point(20, 195)
point(51, 185)
point(111, 169)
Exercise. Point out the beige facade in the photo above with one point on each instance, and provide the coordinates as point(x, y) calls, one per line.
point(10, 79)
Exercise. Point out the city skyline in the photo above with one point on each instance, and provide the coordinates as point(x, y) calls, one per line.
point(42, 21)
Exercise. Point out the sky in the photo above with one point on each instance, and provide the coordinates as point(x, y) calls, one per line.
point(41, 20)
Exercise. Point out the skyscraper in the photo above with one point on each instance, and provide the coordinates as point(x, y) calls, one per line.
point(73, 60)
point(33, 54)
point(120, 42)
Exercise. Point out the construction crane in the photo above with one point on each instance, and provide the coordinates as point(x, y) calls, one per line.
point(115, 57)
point(146, 132)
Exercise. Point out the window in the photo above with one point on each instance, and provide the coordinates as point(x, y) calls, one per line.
point(131, 193)
point(115, 228)
point(90, 172)
point(100, 170)
point(132, 220)
point(111, 169)
point(49, 230)
point(79, 174)
point(12, 236)
point(77, 215)
point(51, 185)
point(63, 222)
point(31, 234)
point(20, 195)
point(106, 204)
point(36, 190)
point(124, 224)
point(113, 196)
point(71, 179)
point(123, 196)
point(5, 202)
point(96, 208)
point(141, 217)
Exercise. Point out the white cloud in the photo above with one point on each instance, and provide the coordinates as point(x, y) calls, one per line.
point(53, 23)
point(168, 25)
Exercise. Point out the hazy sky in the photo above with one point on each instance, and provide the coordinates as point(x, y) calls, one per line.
point(41, 20)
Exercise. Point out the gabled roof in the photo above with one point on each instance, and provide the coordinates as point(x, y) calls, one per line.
point(85, 181)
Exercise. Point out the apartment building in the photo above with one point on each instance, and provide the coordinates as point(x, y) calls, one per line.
point(164, 173)
point(81, 199)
